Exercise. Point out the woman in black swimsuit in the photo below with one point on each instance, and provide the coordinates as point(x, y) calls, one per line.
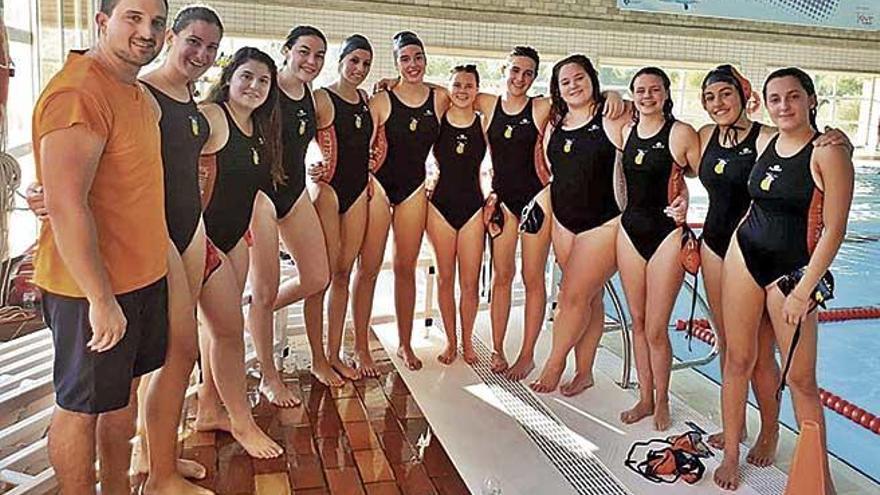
point(729, 153)
point(658, 149)
point(578, 144)
point(242, 161)
point(455, 222)
point(405, 124)
point(801, 195)
point(345, 128)
point(519, 174)
point(293, 218)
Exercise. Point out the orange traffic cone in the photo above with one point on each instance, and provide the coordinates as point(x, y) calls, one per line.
point(810, 463)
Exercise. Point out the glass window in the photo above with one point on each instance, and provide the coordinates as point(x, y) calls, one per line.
point(21, 94)
point(18, 17)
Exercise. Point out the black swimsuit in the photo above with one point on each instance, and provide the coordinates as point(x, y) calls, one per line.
point(184, 131)
point(724, 173)
point(512, 141)
point(354, 128)
point(297, 131)
point(785, 220)
point(240, 174)
point(582, 162)
point(647, 166)
point(459, 153)
point(410, 133)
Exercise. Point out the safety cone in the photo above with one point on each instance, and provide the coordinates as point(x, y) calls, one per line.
point(808, 468)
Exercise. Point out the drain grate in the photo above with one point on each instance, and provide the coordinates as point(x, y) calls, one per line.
point(570, 453)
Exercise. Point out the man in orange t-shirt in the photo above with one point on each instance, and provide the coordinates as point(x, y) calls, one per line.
point(101, 260)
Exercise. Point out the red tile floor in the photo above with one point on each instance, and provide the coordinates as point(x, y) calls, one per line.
point(359, 439)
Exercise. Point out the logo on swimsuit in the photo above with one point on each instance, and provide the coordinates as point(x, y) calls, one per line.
point(771, 175)
point(357, 121)
point(525, 121)
point(461, 139)
point(567, 147)
point(508, 131)
point(429, 113)
point(413, 124)
point(640, 157)
point(194, 125)
point(255, 156)
point(593, 128)
point(658, 146)
point(719, 167)
point(746, 151)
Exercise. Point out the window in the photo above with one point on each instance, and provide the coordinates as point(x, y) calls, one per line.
point(18, 16)
point(847, 101)
point(21, 95)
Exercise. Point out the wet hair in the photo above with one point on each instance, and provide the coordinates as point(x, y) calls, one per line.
point(467, 69)
point(404, 39)
point(805, 81)
point(728, 74)
point(107, 6)
point(667, 84)
point(355, 42)
point(267, 117)
point(558, 107)
point(526, 51)
point(300, 31)
point(193, 13)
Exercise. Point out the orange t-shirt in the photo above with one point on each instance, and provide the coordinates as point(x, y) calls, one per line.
point(127, 194)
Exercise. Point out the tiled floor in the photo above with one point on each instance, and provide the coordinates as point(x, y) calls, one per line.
point(359, 439)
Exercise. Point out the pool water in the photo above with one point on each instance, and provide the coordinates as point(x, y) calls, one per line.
point(848, 363)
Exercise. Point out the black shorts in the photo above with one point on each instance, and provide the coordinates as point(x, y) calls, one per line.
point(97, 382)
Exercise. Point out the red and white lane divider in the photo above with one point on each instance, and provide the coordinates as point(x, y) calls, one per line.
point(845, 314)
point(866, 419)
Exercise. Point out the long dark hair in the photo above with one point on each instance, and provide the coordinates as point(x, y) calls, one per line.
point(558, 107)
point(300, 31)
point(805, 81)
point(193, 13)
point(667, 84)
point(267, 117)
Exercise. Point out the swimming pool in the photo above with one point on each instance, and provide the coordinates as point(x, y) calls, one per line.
point(848, 363)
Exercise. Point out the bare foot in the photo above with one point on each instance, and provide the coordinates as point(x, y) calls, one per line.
point(662, 420)
point(211, 419)
point(499, 362)
point(255, 442)
point(140, 463)
point(637, 412)
point(763, 452)
point(363, 361)
point(173, 486)
point(448, 355)
point(727, 474)
point(345, 370)
point(549, 379)
point(470, 356)
point(277, 392)
point(716, 440)
point(412, 362)
point(578, 384)
point(520, 369)
point(326, 375)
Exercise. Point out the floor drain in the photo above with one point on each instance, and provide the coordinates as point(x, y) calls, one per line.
point(569, 452)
